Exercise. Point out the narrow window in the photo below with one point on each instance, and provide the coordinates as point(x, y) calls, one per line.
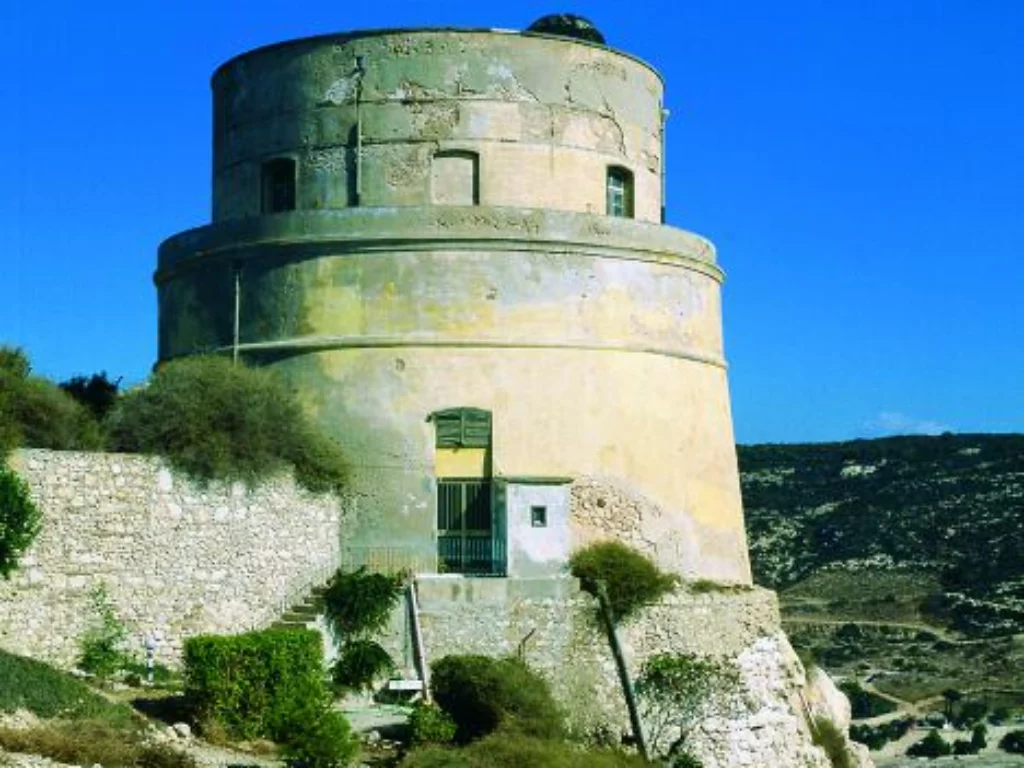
point(455, 178)
point(278, 185)
point(539, 517)
point(619, 192)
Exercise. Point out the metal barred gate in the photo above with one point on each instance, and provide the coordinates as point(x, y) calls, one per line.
point(470, 535)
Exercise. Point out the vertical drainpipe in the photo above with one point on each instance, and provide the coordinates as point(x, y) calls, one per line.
point(238, 312)
point(664, 146)
point(360, 71)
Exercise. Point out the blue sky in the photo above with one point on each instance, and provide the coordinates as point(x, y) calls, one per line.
point(860, 166)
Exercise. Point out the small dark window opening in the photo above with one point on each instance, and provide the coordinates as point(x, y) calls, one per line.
point(619, 192)
point(539, 517)
point(278, 185)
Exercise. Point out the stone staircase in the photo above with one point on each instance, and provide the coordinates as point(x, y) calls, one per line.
point(304, 613)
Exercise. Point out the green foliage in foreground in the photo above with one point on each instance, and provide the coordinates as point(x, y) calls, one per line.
point(101, 651)
point(36, 413)
point(429, 724)
point(506, 749)
point(357, 604)
point(631, 579)
point(830, 738)
point(20, 521)
point(48, 693)
point(676, 691)
point(219, 421)
point(482, 694)
point(269, 685)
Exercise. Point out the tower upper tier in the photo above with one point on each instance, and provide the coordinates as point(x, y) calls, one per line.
point(437, 116)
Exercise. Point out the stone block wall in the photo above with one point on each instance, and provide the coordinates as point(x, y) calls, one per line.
point(553, 626)
point(175, 557)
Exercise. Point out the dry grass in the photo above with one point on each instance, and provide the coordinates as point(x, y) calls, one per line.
point(91, 742)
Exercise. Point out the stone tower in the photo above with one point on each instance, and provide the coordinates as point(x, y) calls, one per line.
point(452, 245)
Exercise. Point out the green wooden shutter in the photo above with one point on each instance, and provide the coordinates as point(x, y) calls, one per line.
point(463, 428)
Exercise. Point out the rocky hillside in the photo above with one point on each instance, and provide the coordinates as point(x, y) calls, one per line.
point(929, 526)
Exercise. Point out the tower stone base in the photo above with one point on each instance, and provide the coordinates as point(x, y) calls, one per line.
point(553, 626)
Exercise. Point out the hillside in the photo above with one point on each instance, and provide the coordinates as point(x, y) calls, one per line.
point(941, 516)
point(899, 562)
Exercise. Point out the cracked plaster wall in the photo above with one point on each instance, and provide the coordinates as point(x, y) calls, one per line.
point(546, 116)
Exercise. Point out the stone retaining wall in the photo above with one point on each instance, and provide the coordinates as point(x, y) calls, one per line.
point(174, 556)
point(553, 625)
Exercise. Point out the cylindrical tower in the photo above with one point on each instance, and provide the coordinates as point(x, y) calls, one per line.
point(450, 243)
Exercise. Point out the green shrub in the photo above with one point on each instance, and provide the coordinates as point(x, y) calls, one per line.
point(676, 691)
point(34, 412)
point(828, 736)
point(359, 603)
point(20, 521)
point(429, 724)
point(931, 745)
point(359, 664)
point(506, 749)
point(1013, 742)
point(632, 581)
point(101, 648)
point(218, 421)
point(482, 694)
point(97, 393)
point(49, 693)
point(864, 704)
point(256, 685)
point(325, 741)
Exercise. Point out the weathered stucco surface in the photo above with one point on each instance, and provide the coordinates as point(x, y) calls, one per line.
point(546, 116)
point(173, 556)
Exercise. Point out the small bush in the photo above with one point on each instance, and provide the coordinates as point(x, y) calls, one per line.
point(429, 724)
point(20, 521)
point(831, 739)
point(864, 704)
point(256, 685)
point(324, 742)
point(218, 421)
point(482, 694)
point(506, 749)
point(931, 745)
point(49, 693)
point(359, 664)
point(631, 579)
point(101, 650)
point(359, 603)
point(1013, 742)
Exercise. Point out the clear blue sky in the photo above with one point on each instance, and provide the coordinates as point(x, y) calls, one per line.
point(860, 166)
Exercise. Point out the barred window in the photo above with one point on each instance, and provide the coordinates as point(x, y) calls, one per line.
point(619, 192)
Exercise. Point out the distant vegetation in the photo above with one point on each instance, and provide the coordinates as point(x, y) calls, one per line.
point(950, 506)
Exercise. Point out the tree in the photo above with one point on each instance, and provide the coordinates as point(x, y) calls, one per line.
point(20, 521)
point(97, 392)
point(1013, 742)
point(931, 745)
point(677, 691)
point(952, 696)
